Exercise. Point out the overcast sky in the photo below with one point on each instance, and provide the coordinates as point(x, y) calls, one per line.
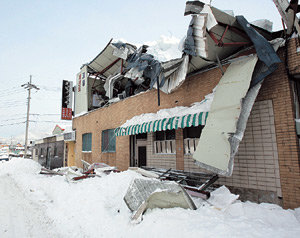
point(51, 39)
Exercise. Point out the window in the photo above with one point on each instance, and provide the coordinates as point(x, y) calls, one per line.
point(192, 132)
point(165, 142)
point(55, 151)
point(87, 142)
point(108, 141)
point(191, 137)
point(165, 135)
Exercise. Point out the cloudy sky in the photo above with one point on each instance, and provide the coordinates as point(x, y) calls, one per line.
point(51, 39)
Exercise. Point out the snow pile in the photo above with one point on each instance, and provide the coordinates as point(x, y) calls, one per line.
point(164, 49)
point(95, 208)
point(196, 107)
point(222, 198)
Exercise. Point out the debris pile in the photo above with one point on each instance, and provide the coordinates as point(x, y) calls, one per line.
point(162, 188)
point(74, 174)
point(145, 194)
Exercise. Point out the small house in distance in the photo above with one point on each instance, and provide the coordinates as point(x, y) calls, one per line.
point(55, 151)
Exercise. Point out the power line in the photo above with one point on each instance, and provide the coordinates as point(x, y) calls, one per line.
point(9, 89)
point(52, 89)
point(31, 114)
point(16, 115)
point(13, 106)
point(46, 114)
point(14, 119)
point(11, 124)
point(64, 122)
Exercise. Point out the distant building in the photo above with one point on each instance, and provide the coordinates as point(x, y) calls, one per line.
point(55, 151)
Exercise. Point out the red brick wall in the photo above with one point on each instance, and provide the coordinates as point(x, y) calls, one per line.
point(277, 88)
point(193, 90)
point(179, 150)
point(294, 56)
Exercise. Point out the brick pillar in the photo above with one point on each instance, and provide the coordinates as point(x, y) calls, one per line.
point(179, 150)
point(123, 152)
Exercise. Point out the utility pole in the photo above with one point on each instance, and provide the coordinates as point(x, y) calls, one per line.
point(28, 86)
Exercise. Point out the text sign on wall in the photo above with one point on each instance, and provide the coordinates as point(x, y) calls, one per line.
point(67, 97)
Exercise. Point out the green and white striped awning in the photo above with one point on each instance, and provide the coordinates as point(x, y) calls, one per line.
point(164, 124)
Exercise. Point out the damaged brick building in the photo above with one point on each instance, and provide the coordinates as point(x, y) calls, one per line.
point(126, 117)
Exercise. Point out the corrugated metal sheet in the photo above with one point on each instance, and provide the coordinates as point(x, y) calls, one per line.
point(107, 62)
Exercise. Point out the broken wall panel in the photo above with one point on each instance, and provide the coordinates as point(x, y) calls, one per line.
point(288, 11)
point(177, 78)
point(170, 194)
point(214, 147)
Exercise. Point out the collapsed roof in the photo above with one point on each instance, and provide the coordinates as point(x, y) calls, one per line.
point(213, 38)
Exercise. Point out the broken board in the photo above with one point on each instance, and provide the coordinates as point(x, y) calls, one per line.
point(213, 150)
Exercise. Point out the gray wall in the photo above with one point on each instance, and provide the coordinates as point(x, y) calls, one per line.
point(52, 160)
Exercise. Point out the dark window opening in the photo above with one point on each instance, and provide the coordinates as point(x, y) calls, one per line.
point(142, 136)
point(165, 135)
point(192, 132)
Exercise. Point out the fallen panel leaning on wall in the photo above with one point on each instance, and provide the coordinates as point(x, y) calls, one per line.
point(260, 70)
point(214, 148)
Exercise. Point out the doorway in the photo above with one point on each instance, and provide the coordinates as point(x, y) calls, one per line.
point(139, 150)
point(48, 157)
point(142, 156)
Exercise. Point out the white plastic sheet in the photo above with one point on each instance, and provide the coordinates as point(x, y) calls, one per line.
point(214, 147)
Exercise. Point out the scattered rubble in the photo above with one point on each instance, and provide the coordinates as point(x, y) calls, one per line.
point(166, 189)
point(74, 174)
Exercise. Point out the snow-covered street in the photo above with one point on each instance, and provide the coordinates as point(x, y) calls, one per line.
point(35, 205)
point(19, 216)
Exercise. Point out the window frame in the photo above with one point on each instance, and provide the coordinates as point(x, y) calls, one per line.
point(162, 144)
point(85, 144)
point(108, 141)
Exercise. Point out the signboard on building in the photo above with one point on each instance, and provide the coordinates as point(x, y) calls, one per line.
point(81, 92)
point(67, 98)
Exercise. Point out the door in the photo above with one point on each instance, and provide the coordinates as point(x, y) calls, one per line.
point(142, 156)
point(66, 154)
point(48, 159)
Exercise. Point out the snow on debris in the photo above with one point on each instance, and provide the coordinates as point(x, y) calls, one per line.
point(95, 207)
point(196, 107)
point(164, 49)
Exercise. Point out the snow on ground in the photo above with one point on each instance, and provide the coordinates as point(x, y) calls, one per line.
point(35, 205)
